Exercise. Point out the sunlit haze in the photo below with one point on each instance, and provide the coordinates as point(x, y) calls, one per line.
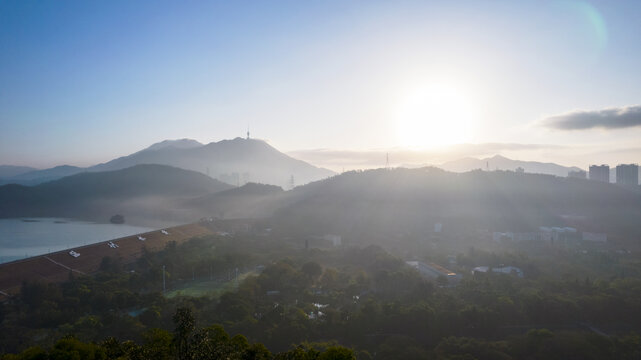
point(320, 179)
point(435, 115)
point(86, 82)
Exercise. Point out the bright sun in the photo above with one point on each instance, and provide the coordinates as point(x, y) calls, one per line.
point(436, 115)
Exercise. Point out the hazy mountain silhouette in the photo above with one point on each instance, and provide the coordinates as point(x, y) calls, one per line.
point(249, 201)
point(376, 203)
point(40, 176)
point(178, 144)
point(499, 162)
point(384, 203)
point(142, 191)
point(10, 170)
point(236, 162)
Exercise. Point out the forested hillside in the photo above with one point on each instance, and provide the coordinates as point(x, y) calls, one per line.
point(274, 292)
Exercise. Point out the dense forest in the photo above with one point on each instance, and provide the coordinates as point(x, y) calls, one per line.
point(278, 299)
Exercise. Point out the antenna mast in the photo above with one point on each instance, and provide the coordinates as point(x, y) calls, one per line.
point(387, 161)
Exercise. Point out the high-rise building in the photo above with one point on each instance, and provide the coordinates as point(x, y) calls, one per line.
point(600, 173)
point(628, 174)
point(578, 174)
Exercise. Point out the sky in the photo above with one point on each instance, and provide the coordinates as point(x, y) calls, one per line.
point(337, 83)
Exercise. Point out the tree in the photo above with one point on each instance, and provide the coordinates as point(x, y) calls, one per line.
point(337, 353)
point(117, 219)
point(312, 270)
point(184, 322)
point(157, 344)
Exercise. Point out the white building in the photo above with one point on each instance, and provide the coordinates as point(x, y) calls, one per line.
point(595, 237)
point(554, 233)
point(510, 270)
point(336, 240)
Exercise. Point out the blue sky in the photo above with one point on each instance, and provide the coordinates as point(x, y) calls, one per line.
point(84, 82)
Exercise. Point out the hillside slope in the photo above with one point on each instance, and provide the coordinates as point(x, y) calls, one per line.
point(405, 200)
point(248, 201)
point(142, 190)
point(36, 177)
point(389, 202)
point(7, 171)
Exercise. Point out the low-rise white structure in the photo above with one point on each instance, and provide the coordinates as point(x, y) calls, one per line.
point(336, 240)
point(511, 270)
point(594, 237)
point(518, 236)
point(556, 233)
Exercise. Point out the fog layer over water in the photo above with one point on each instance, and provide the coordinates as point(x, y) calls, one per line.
point(20, 238)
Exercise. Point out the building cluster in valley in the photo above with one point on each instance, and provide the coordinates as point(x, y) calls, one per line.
point(552, 235)
point(625, 174)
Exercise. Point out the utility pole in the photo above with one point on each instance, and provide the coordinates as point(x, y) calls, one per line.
point(163, 279)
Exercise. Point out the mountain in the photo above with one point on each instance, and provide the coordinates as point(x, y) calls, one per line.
point(383, 204)
point(10, 170)
point(248, 201)
point(236, 162)
point(142, 192)
point(39, 176)
point(499, 162)
point(177, 144)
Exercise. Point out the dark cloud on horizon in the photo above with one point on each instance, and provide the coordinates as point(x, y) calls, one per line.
point(611, 118)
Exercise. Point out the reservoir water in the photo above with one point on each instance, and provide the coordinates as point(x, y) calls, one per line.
point(26, 237)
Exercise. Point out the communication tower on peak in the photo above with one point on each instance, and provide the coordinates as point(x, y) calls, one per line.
point(387, 161)
point(247, 132)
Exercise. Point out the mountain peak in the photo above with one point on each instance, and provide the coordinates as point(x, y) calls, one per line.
point(177, 144)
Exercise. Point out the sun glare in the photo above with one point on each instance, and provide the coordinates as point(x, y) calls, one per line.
point(436, 115)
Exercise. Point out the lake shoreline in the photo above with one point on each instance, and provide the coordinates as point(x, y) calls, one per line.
point(22, 238)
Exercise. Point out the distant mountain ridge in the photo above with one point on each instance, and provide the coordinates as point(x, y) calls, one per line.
point(7, 171)
point(36, 177)
point(499, 162)
point(178, 144)
point(387, 203)
point(236, 162)
point(144, 191)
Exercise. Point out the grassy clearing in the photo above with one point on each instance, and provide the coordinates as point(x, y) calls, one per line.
point(210, 288)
